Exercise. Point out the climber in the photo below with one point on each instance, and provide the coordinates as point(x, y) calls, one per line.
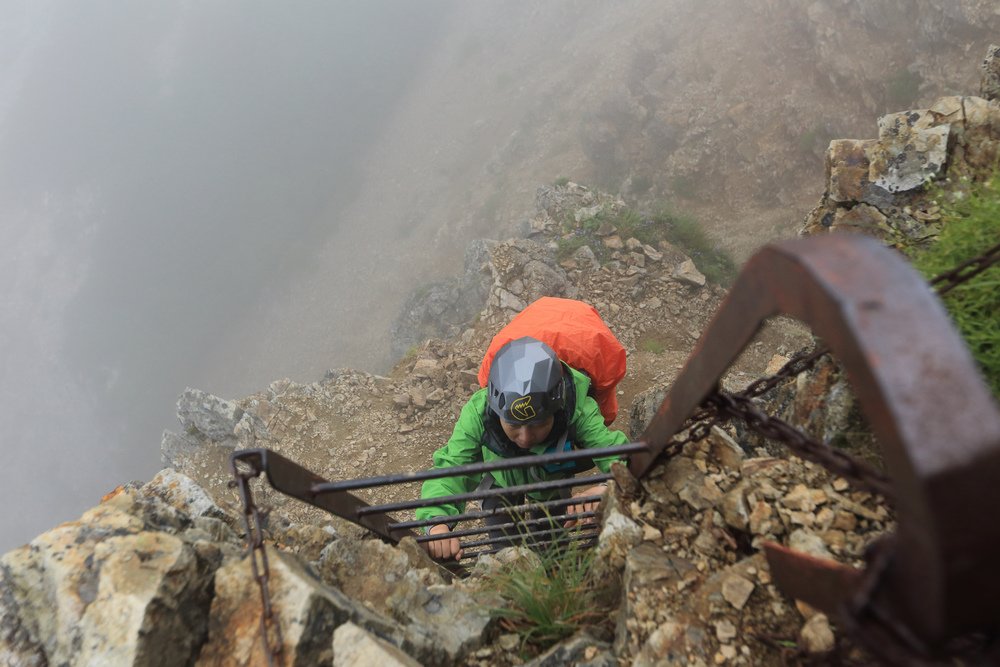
point(533, 403)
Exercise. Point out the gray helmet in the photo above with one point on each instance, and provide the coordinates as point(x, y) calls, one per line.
point(526, 382)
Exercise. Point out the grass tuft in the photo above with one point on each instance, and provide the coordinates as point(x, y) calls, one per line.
point(551, 598)
point(970, 225)
point(679, 230)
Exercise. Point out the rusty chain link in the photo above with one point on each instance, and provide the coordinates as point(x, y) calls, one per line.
point(886, 637)
point(253, 518)
point(965, 271)
point(724, 405)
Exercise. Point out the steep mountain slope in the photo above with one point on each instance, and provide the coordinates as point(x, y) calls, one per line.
point(722, 110)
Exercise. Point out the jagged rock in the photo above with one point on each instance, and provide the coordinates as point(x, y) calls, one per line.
point(734, 508)
point(373, 572)
point(354, 647)
point(911, 150)
point(182, 493)
point(530, 265)
point(816, 635)
point(687, 272)
point(847, 167)
point(989, 86)
point(123, 585)
point(443, 308)
point(404, 584)
point(580, 650)
point(585, 258)
point(306, 612)
point(809, 543)
point(618, 535)
point(207, 415)
point(173, 446)
point(736, 590)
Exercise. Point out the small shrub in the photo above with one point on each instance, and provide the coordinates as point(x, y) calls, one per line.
point(687, 234)
point(970, 225)
point(561, 182)
point(682, 231)
point(551, 599)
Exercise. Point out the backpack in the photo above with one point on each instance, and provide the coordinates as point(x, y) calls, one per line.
point(578, 335)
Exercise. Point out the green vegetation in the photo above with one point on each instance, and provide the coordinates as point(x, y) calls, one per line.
point(652, 344)
point(970, 225)
point(679, 230)
point(685, 233)
point(561, 182)
point(902, 88)
point(551, 598)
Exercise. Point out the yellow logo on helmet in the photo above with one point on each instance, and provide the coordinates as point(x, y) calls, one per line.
point(522, 410)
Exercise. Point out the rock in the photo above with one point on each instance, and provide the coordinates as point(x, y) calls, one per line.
point(613, 242)
point(424, 368)
point(585, 258)
point(734, 508)
point(618, 535)
point(810, 543)
point(724, 449)
point(174, 446)
point(207, 415)
point(912, 149)
point(581, 650)
point(688, 273)
point(776, 363)
point(182, 493)
point(816, 635)
point(847, 167)
point(442, 309)
point(989, 86)
point(725, 630)
point(402, 583)
point(354, 647)
point(804, 499)
point(306, 611)
point(736, 590)
point(120, 586)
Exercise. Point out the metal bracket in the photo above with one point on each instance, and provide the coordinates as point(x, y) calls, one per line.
point(936, 422)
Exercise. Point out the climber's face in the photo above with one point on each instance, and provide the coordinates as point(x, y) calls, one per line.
point(527, 436)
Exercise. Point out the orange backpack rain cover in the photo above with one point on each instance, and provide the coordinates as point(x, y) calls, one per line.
point(578, 335)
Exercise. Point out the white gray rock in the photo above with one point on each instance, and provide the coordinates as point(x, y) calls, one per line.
point(355, 647)
point(210, 416)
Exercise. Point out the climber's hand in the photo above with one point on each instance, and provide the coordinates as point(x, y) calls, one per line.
point(444, 548)
point(589, 506)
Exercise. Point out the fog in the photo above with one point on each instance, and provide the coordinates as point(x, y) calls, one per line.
point(163, 168)
point(226, 193)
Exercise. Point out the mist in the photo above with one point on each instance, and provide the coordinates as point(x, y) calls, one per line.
point(223, 194)
point(165, 166)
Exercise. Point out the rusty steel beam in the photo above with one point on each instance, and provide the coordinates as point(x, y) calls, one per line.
point(919, 388)
point(293, 480)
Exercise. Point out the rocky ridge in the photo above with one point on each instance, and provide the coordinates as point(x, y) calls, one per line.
point(155, 573)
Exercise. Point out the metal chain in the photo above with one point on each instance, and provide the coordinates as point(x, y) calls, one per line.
point(831, 458)
point(965, 271)
point(253, 517)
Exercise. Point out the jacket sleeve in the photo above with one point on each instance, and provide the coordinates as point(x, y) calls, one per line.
point(464, 446)
point(591, 430)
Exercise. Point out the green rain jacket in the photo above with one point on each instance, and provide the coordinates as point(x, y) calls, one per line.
point(466, 445)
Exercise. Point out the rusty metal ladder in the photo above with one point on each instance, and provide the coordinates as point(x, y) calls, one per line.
point(932, 582)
